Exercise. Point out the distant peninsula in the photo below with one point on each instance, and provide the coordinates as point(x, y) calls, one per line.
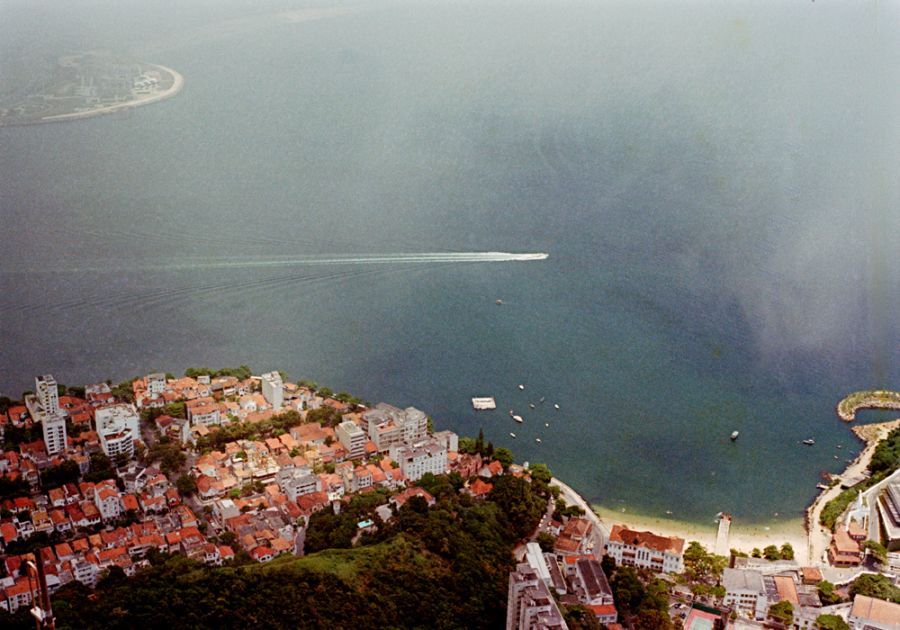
point(89, 84)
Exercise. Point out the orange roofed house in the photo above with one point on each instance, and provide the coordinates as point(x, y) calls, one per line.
point(646, 549)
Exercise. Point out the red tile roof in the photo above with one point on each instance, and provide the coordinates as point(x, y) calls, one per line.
point(646, 539)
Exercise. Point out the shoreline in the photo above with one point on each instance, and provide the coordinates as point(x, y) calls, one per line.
point(175, 88)
point(809, 539)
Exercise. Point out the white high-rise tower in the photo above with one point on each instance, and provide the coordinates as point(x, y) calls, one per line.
point(44, 408)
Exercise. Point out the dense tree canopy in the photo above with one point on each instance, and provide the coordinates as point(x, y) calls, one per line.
point(875, 586)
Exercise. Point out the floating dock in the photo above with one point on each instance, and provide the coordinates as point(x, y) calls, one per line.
point(484, 402)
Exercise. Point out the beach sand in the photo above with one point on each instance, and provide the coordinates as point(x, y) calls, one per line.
point(742, 537)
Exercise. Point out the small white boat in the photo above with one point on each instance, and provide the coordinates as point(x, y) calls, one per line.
point(511, 412)
point(511, 434)
point(556, 407)
point(839, 446)
point(821, 486)
point(835, 456)
point(543, 398)
point(538, 440)
point(809, 441)
point(517, 418)
point(668, 511)
point(521, 387)
point(531, 405)
point(734, 435)
point(546, 424)
point(499, 302)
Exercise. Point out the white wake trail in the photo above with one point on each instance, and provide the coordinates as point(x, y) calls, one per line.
point(309, 261)
point(381, 259)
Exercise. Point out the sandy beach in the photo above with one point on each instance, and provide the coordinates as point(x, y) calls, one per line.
point(742, 537)
point(175, 88)
point(809, 539)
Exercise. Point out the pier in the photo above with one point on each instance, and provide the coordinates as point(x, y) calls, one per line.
point(722, 548)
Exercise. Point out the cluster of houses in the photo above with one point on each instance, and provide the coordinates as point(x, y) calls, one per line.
point(260, 491)
point(99, 526)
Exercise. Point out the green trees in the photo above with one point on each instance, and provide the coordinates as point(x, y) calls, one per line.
point(771, 553)
point(540, 472)
point(700, 565)
point(547, 541)
point(647, 605)
point(12, 488)
point(831, 622)
point(562, 511)
point(827, 594)
point(886, 457)
point(521, 507)
point(877, 586)
point(787, 551)
point(782, 612)
point(877, 550)
point(326, 416)
point(101, 468)
point(59, 475)
point(186, 484)
point(504, 456)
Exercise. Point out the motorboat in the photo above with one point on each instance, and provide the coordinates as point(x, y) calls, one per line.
point(809, 441)
point(517, 418)
point(734, 435)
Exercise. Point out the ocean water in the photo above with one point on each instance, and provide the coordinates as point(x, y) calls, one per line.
point(714, 182)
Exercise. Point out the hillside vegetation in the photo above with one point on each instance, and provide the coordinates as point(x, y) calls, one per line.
point(441, 567)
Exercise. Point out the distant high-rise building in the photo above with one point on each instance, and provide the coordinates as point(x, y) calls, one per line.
point(44, 408)
point(352, 438)
point(54, 429)
point(273, 389)
point(47, 393)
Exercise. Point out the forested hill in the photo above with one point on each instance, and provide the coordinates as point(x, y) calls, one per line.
point(441, 567)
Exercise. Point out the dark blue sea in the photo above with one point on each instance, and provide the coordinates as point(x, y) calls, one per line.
point(714, 182)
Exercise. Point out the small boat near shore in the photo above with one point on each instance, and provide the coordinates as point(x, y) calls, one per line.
point(521, 386)
point(556, 407)
point(512, 435)
point(499, 302)
point(809, 441)
point(518, 418)
point(538, 440)
point(734, 435)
